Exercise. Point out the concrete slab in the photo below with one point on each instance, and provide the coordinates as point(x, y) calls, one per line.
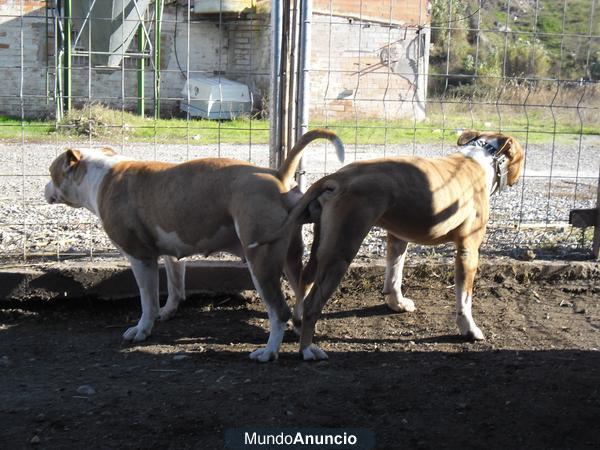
point(113, 279)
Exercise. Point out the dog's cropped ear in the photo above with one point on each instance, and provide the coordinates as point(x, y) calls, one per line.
point(467, 136)
point(516, 156)
point(72, 158)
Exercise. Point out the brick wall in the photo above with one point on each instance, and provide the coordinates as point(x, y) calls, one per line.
point(409, 12)
point(249, 56)
point(348, 78)
point(28, 54)
point(352, 77)
point(116, 87)
point(29, 7)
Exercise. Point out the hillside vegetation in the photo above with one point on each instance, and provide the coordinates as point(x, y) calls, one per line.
point(481, 46)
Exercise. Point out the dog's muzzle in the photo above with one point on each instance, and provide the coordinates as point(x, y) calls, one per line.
point(49, 193)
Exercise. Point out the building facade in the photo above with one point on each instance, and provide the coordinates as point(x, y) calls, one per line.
point(369, 59)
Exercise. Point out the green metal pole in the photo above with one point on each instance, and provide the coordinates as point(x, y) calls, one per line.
point(67, 59)
point(157, 18)
point(58, 97)
point(47, 54)
point(140, 73)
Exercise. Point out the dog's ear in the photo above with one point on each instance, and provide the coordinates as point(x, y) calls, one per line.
point(72, 158)
point(516, 156)
point(467, 136)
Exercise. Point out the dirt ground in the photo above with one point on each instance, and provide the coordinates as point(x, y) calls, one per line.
point(534, 383)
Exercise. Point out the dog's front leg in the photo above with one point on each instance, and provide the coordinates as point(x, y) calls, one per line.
point(146, 275)
point(392, 286)
point(464, 274)
point(176, 287)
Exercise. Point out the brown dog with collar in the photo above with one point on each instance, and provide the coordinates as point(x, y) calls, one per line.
point(151, 209)
point(421, 200)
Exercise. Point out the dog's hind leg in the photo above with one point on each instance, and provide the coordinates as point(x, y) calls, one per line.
point(265, 263)
point(293, 272)
point(467, 256)
point(265, 269)
point(146, 275)
point(175, 270)
point(340, 239)
point(310, 270)
point(392, 286)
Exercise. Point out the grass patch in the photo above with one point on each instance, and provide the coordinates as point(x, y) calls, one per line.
point(444, 120)
point(102, 123)
point(16, 129)
point(438, 128)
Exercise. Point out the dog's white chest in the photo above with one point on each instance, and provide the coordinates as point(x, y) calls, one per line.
point(484, 159)
point(169, 243)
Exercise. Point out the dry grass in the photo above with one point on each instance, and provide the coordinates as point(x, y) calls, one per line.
point(544, 108)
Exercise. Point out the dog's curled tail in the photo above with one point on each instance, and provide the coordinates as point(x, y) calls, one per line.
point(313, 193)
point(290, 165)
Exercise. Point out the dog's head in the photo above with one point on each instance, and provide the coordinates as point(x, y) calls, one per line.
point(68, 172)
point(506, 145)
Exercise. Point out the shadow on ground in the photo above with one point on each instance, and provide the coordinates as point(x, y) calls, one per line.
point(407, 377)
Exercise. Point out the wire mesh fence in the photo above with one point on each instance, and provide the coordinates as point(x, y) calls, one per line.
point(176, 80)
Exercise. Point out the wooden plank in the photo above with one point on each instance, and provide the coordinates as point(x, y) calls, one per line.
point(583, 218)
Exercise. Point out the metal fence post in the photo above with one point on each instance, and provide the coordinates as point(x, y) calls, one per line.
point(275, 85)
point(157, 24)
point(67, 60)
point(141, 76)
point(303, 95)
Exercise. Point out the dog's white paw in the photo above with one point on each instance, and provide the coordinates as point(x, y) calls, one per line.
point(399, 304)
point(313, 353)
point(138, 333)
point(475, 334)
point(166, 313)
point(264, 355)
point(468, 329)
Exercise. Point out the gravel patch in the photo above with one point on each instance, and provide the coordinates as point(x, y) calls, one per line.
point(533, 214)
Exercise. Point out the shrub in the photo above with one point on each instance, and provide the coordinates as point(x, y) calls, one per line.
point(93, 120)
point(527, 59)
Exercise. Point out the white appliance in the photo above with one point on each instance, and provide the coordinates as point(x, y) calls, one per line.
point(215, 97)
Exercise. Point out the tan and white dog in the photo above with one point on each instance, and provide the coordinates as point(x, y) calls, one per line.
point(151, 209)
point(421, 200)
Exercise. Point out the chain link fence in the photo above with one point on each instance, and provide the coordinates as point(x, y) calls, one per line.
point(175, 80)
